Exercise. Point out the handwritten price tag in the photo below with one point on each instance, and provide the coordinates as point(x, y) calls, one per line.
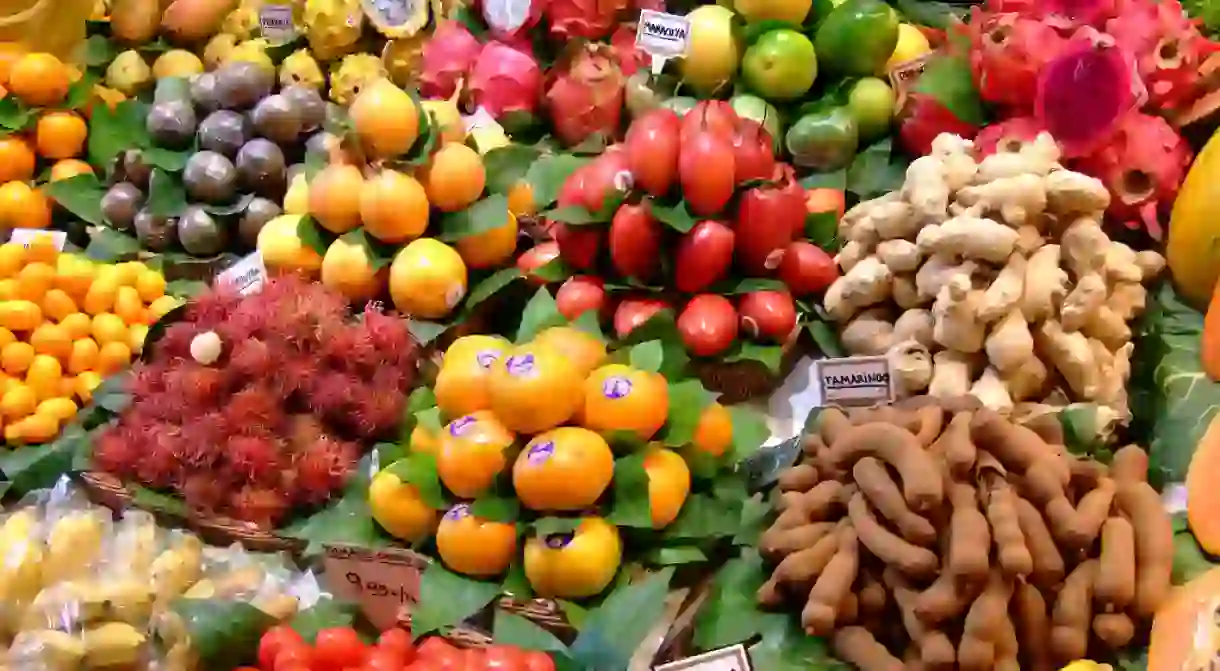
point(381, 581)
point(732, 658)
point(247, 276)
point(24, 236)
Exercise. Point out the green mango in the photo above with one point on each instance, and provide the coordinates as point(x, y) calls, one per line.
point(857, 38)
point(823, 140)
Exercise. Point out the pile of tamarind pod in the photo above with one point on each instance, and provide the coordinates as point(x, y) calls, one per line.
point(936, 534)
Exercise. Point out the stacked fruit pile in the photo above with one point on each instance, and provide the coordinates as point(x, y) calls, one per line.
point(283, 649)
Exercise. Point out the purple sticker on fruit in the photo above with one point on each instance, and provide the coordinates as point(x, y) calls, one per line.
point(487, 357)
point(520, 364)
point(459, 426)
point(458, 512)
point(557, 541)
point(538, 454)
point(616, 387)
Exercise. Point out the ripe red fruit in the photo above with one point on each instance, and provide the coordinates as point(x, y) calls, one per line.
point(632, 312)
point(807, 269)
point(293, 656)
point(578, 245)
point(652, 150)
point(274, 641)
point(534, 258)
point(753, 152)
point(715, 116)
point(580, 294)
point(607, 175)
point(708, 325)
point(703, 256)
point(379, 660)
point(339, 648)
point(504, 658)
point(706, 170)
point(635, 242)
point(767, 315)
point(399, 642)
point(441, 652)
point(768, 217)
point(538, 661)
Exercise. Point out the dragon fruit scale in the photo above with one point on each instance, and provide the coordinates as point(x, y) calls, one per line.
point(1007, 136)
point(447, 59)
point(585, 94)
point(1007, 51)
point(505, 80)
point(1085, 94)
point(1167, 46)
point(587, 19)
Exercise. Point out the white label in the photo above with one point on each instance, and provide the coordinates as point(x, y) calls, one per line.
point(247, 276)
point(481, 118)
point(24, 236)
point(275, 22)
point(661, 34)
point(854, 381)
point(732, 658)
point(506, 16)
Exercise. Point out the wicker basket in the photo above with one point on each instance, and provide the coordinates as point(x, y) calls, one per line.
point(739, 381)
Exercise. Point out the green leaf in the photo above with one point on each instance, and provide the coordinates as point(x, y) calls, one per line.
point(111, 132)
point(540, 314)
point(687, 401)
point(166, 159)
point(705, 517)
point(548, 526)
point(38, 466)
point(786, 647)
point(825, 180)
point(940, 15)
point(647, 356)
point(14, 116)
point(677, 217)
point(730, 615)
point(512, 629)
point(342, 521)
point(97, 51)
point(419, 469)
point(822, 229)
point(447, 599)
point(876, 171)
point(749, 432)
point(313, 236)
point(430, 419)
point(554, 270)
point(631, 505)
point(947, 79)
point(547, 175)
point(490, 286)
point(771, 356)
point(425, 332)
point(1189, 560)
point(495, 508)
point(614, 630)
point(377, 252)
point(166, 195)
point(325, 614)
point(588, 323)
point(573, 215)
point(484, 215)
point(508, 165)
point(314, 162)
point(429, 135)
point(147, 499)
point(224, 633)
point(675, 555)
point(80, 92)
point(109, 245)
point(747, 285)
point(826, 339)
point(81, 195)
point(185, 288)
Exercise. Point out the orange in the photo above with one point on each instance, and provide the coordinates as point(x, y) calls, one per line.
point(136, 335)
point(129, 307)
point(60, 135)
point(399, 509)
point(490, 248)
point(12, 258)
point(113, 357)
point(567, 468)
point(151, 285)
point(521, 200)
point(75, 276)
point(585, 350)
point(57, 304)
point(534, 388)
point(334, 197)
point(714, 432)
point(455, 178)
point(32, 430)
point(85, 384)
point(622, 398)
point(6, 337)
point(17, 159)
point(108, 328)
point(83, 356)
point(8, 289)
point(461, 384)
point(78, 325)
point(44, 375)
point(40, 80)
point(9, 53)
point(473, 546)
point(8, 382)
point(423, 441)
point(574, 565)
point(34, 281)
point(472, 453)
point(394, 207)
point(52, 339)
point(62, 409)
point(69, 168)
point(101, 295)
point(23, 206)
point(385, 119)
point(19, 315)
point(347, 269)
point(668, 484)
point(18, 402)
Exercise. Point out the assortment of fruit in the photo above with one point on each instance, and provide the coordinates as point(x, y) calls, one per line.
point(342, 649)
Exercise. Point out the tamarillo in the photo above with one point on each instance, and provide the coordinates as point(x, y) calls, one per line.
point(858, 647)
point(1072, 613)
point(799, 478)
point(1048, 566)
point(1130, 464)
point(832, 423)
point(1115, 584)
point(1114, 629)
point(832, 586)
point(1091, 513)
point(977, 650)
point(968, 557)
point(887, 546)
point(798, 570)
point(882, 492)
point(1006, 532)
point(1033, 625)
point(921, 482)
point(956, 446)
point(1153, 530)
point(777, 543)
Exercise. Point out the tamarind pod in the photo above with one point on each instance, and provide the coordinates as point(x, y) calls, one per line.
point(1130, 464)
point(1061, 519)
point(935, 650)
point(1042, 484)
point(797, 571)
point(968, 555)
point(921, 481)
point(872, 595)
point(983, 624)
point(945, 599)
point(930, 421)
point(858, 647)
point(955, 445)
point(791, 511)
point(1048, 566)
point(1086, 473)
point(887, 546)
point(1153, 544)
point(1016, 447)
point(1114, 629)
point(1115, 584)
point(882, 492)
point(832, 586)
point(1091, 513)
point(832, 423)
point(824, 501)
point(799, 478)
point(1006, 647)
point(1033, 626)
point(812, 444)
point(1006, 532)
point(1072, 613)
point(1047, 426)
point(775, 544)
point(848, 611)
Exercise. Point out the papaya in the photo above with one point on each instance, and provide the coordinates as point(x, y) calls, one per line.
point(1193, 247)
point(1184, 631)
point(1202, 492)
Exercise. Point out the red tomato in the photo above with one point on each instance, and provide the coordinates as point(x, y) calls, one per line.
point(275, 640)
point(399, 642)
point(294, 666)
point(703, 256)
point(715, 116)
point(578, 245)
point(381, 660)
point(652, 150)
point(706, 170)
point(708, 325)
point(293, 655)
point(536, 257)
point(753, 152)
point(505, 658)
point(424, 665)
point(538, 661)
point(441, 653)
point(339, 648)
point(573, 190)
point(580, 294)
point(632, 312)
point(825, 200)
point(635, 242)
point(473, 659)
point(767, 315)
point(807, 269)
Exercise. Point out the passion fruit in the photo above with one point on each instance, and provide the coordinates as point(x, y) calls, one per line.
point(224, 132)
point(209, 177)
point(121, 204)
point(199, 233)
point(277, 119)
point(261, 168)
point(155, 233)
point(257, 214)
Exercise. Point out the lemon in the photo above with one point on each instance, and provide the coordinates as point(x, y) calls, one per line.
point(712, 55)
point(399, 509)
point(911, 45)
point(427, 279)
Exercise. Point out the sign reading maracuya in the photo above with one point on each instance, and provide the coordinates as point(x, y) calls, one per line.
point(855, 381)
point(661, 34)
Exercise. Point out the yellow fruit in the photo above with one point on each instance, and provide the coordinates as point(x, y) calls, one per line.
point(16, 357)
point(51, 339)
point(78, 325)
point(461, 384)
point(296, 200)
point(399, 509)
point(158, 308)
point(20, 315)
point(6, 337)
point(447, 118)
point(128, 273)
point(385, 119)
point(473, 546)
point(75, 276)
point(282, 248)
point(521, 200)
point(668, 484)
point(622, 398)
point(85, 384)
point(714, 432)
point(43, 376)
point(150, 285)
point(585, 350)
point(12, 258)
point(491, 248)
point(423, 441)
point(567, 468)
point(574, 565)
point(136, 335)
point(42, 249)
point(57, 304)
point(34, 280)
point(62, 409)
point(911, 45)
point(713, 51)
point(7, 383)
point(18, 402)
point(109, 327)
point(129, 307)
point(534, 388)
point(113, 357)
point(472, 452)
point(32, 429)
point(8, 290)
point(83, 356)
point(394, 207)
point(427, 279)
point(348, 269)
point(454, 178)
point(177, 63)
point(334, 197)
point(788, 11)
point(101, 295)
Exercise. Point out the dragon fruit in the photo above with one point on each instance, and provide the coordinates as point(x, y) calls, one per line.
point(1085, 94)
point(586, 19)
point(630, 59)
point(1072, 14)
point(1007, 52)
point(1167, 46)
point(447, 59)
point(505, 80)
point(1007, 136)
point(585, 93)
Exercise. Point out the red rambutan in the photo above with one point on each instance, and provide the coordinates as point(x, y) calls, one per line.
point(204, 491)
point(390, 335)
point(115, 453)
point(254, 407)
point(159, 465)
point(252, 358)
point(192, 385)
point(330, 393)
point(292, 374)
point(176, 342)
point(261, 506)
point(211, 308)
point(251, 458)
point(323, 467)
point(375, 412)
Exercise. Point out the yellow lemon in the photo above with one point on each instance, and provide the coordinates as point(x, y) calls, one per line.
point(911, 45)
point(282, 247)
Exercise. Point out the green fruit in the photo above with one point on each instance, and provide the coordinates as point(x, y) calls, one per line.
point(857, 37)
point(712, 54)
point(680, 104)
point(781, 65)
point(757, 109)
point(824, 140)
point(871, 103)
point(128, 73)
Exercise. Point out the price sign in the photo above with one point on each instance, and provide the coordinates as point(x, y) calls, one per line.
point(276, 24)
point(854, 381)
point(381, 581)
point(24, 236)
point(662, 36)
point(732, 658)
point(904, 76)
point(247, 276)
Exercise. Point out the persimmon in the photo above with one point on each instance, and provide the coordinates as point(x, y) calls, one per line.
point(39, 79)
point(17, 159)
point(60, 135)
point(68, 168)
point(23, 206)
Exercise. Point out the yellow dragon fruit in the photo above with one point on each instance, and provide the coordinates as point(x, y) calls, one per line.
point(300, 68)
point(333, 27)
point(242, 22)
point(355, 72)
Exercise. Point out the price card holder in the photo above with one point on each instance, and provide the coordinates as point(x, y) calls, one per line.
point(732, 658)
point(855, 381)
point(479, 119)
point(904, 76)
point(383, 582)
point(275, 23)
point(247, 276)
point(24, 236)
point(662, 36)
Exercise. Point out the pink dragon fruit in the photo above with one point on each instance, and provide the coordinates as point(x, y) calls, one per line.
point(1084, 96)
point(447, 58)
point(510, 19)
point(587, 19)
point(1007, 52)
point(1167, 46)
point(585, 93)
point(505, 80)
point(1007, 136)
point(1069, 15)
point(630, 59)
point(1142, 166)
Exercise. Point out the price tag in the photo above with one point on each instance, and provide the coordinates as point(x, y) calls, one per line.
point(732, 658)
point(383, 582)
point(855, 381)
point(904, 76)
point(479, 119)
point(247, 276)
point(662, 36)
point(276, 24)
point(24, 236)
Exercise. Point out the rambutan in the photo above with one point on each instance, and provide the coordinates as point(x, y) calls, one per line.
point(253, 459)
point(375, 413)
point(291, 375)
point(211, 308)
point(175, 343)
point(323, 467)
point(159, 465)
point(204, 491)
point(115, 453)
point(330, 393)
point(252, 358)
point(194, 385)
point(389, 334)
point(303, 431)
point(262, 506)
point(253, 406)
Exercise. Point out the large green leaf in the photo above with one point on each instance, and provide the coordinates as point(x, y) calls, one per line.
point(342, 521)
point(730, 614)
point(446, 599)
point(324, 614)
point(614, 630)
point(224, 634)
point(39, 466)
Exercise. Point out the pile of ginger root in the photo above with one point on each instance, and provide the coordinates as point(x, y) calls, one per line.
point(992, 278)
point(938, 534)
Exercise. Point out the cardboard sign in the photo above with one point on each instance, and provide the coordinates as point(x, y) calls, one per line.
point(247, 276)
point(857, 381)
point(383, 582)
point(904, 76)
point(732, 658)
point(275, 22)
point(24, 236)
point(662, 36)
